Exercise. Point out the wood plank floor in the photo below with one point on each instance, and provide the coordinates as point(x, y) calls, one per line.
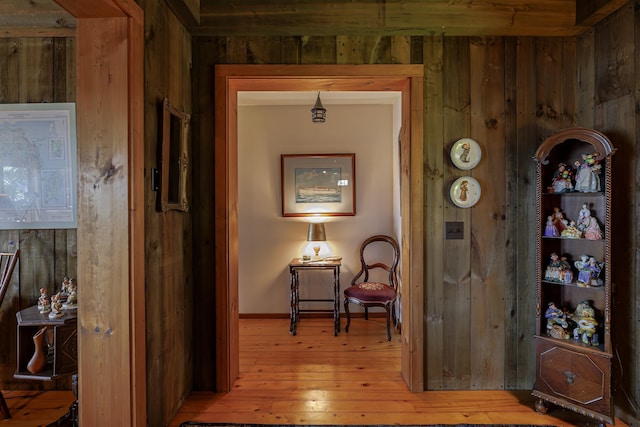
point(316, 378)
point(35, 408)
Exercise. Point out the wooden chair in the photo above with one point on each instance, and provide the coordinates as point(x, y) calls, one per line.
point(374, 293)
point(8, 262)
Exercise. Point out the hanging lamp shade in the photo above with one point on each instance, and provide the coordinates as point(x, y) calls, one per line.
point(318, 112)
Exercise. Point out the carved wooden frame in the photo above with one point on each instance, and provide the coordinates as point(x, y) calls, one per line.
point(174, 161)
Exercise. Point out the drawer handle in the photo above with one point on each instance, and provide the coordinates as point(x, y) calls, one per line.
point(569, 377)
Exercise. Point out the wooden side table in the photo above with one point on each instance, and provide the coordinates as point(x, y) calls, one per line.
point(295, 267)
point(62, 345)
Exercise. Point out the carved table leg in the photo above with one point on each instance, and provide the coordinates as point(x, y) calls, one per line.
point(541, 406)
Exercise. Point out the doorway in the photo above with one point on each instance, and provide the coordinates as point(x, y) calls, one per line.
point(231, 79)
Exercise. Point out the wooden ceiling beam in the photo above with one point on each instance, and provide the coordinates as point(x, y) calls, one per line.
point(369, 17)
point(187, 11)
point(98, 9)
point(590, 12)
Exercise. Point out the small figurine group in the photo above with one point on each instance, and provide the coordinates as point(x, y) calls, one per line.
point(582, 324)
point(587, 226)
point(589, 271)
point(585, 179)
point(66, 299)
point(559, 270)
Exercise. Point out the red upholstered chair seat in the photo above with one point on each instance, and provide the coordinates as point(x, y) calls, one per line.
point(370, 292)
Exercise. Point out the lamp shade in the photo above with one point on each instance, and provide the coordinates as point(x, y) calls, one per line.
point(316, 233)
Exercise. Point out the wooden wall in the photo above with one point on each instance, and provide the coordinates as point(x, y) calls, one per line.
point(39, 69)
point(168, 249)
point(509, 94)
point(43, 70)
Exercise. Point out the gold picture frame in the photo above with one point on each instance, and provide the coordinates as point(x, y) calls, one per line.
point(174, 160)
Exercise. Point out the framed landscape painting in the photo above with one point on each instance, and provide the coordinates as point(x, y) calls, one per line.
point(318, 184)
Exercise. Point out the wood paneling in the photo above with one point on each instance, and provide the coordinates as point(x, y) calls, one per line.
point(413, 17)
point(508, 94)
point(168, 235)
point(434, 268)
point(456, 283)
point(549, 84)
point(34, 70)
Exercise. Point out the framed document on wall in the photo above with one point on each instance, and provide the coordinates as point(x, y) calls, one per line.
point(38, 166)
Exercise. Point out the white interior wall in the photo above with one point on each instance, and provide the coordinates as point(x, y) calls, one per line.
point(268, 241)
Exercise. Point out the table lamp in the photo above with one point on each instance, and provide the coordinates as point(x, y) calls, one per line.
point(316, 234)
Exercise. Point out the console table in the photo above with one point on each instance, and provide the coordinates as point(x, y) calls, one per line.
point(295, 267)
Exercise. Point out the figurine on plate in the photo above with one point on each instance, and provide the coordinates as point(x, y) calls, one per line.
point(561, 182)
point(588, 173)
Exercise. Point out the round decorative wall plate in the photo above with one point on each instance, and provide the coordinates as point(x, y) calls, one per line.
point(465, 192)
point(466, 153)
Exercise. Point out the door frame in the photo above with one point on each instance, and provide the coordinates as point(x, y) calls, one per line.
point(229, 80)
point(110, 121)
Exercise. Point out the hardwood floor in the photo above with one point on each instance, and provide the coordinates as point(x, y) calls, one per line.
point(35, 408)
point(316, 378)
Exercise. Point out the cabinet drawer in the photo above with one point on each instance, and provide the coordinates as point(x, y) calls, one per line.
point(576, 376)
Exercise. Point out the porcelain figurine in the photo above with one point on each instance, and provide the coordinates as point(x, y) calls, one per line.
point(561, 182)
point(72, 299)
point(550, 229)
point(589, 271)
point(559, 220)
point(44, 305)
point(589, 225)
point(56, 307)
point(571, 232)
point(558, 269)
point(588, 173)
point(555, 316)
point(586, 322)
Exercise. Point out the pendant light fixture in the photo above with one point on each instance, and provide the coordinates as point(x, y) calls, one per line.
point(318, 112)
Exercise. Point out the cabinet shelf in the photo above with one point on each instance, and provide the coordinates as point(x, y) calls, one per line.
point(578, 345)
point(575, 194)
point(574, 285)
point(569, 372)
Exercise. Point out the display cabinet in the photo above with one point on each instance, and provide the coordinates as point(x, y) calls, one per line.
point(573, 280)
point(60, 344)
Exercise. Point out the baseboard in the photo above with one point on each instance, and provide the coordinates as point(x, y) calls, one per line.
point(305, 315)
